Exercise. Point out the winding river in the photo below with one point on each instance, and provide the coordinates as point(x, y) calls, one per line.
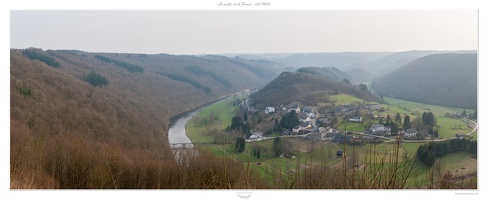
point(177, 132)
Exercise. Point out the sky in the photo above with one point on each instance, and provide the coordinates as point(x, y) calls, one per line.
point(245, 31)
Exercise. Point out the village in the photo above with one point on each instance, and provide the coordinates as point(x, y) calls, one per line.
point(325, 123)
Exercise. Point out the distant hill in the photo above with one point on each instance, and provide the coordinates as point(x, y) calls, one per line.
point(330, 73)
point(339, 60)
point(443, 79)
point(389, 63)
point(359, 75)
point(377, 63)
point(304, 87)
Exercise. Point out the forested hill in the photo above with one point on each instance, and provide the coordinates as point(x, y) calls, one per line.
point(444, 79)
point(304, 87)
point(79, 112)
point(330, 73)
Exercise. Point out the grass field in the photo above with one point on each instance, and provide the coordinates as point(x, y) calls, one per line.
point(344, 99)
point(458, 163)
point(351, 126)
point(411, 148)
point(215, 117)
point(412, 106)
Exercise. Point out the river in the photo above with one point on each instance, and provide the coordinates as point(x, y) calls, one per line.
point(177, 132)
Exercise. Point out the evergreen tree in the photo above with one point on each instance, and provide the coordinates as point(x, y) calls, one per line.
point(424, 117)
point(25, 91)
point(240, 144)
point(277, 146)
point(388, 120)
point(246, 129)
point(96, 79)
point(41, 57)
point(431, 131)
point(406, 123)
point(236, 123)
point(475, 115)
point(258, 154)
point(289, 120)
point(398, 118)
point(381, 120)
point(464, 113)
point(428, 118)
point(394, 129)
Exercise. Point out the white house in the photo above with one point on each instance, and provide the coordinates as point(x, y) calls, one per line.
point(356, 119)
point(410, 133)
point(269, 110)
point(378, 128)
point(296, 108)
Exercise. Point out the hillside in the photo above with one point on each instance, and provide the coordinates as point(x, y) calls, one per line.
point(359, 75)
point(336, 59)
point(443, 79)
point(304, 87)
point(330, 73)
point(100, 120)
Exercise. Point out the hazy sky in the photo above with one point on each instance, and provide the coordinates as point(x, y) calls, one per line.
point(238, 31)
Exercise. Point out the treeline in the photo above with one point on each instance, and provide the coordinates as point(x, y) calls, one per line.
point(201, 72)
point(185, 79)
point(41, 57)
point(127, 66)
point(441, 79)
point(96, 79)
point(427, 153)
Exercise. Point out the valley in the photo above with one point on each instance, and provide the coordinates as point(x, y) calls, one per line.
point(107, 120)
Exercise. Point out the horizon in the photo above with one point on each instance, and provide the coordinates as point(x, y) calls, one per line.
point(258, 53)
point(193, 32)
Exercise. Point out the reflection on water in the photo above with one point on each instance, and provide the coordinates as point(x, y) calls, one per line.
point(177, 132)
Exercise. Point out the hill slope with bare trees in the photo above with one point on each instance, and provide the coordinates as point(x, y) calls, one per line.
point(100, 120)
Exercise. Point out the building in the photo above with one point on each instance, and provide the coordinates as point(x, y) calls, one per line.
point(307, 109)
point(374, 106)
point(412, 132)
point(303, 117)
point(269, 110)
point(379, 128)
point(356, 119)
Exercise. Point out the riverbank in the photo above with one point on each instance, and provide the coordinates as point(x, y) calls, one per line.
point(177, 124)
